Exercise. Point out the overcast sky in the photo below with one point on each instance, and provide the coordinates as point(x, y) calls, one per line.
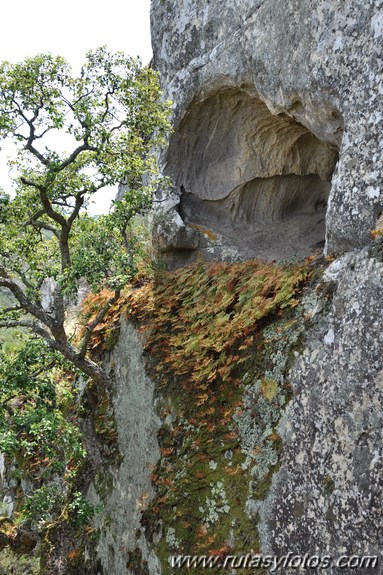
point(69, 29)
point(72, 27)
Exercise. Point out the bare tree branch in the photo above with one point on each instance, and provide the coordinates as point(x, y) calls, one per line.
point(56, 216)
point(83, 148)
point(44, 226)
point(36, 153)
point(31, 138)
point(41, 225)
point(77, 208)
point(12, 267)
point(34, 326)
point(87, 366)
point(11, 309)
point(35, 310)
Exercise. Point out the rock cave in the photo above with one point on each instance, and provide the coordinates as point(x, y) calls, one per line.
point(251, 181)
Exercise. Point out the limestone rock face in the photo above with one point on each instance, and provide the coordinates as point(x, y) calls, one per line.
point(124, 491)
point(277, 146)
point(326, 498)
point(277, 115)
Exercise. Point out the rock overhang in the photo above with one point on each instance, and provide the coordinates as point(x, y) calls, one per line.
point(258, 181)
point(316, 63)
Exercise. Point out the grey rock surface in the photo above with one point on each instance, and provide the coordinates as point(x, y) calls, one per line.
point(326, 498)
point(269, 88)
point(123, 492)
point(278, 117)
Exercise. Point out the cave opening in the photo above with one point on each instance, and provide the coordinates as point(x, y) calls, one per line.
point(258, 182)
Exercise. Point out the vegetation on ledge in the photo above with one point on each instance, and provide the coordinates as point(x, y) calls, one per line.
point(218, 339)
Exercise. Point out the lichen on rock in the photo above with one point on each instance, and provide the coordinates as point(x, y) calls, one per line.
point(331, 475)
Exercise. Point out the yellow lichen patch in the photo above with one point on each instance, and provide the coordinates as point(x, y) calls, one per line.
point(269, 388)
point(212, 236)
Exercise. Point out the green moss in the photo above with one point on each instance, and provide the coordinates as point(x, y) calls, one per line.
point(328, 484)
point(101, 413)
point(111, 338)
point(18, 564)
point(220, 339)
point(136, 564)
point(103, 483)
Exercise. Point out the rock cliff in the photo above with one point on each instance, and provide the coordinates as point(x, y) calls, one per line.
point(245, 416)
point(276, 153)
point(277, 115)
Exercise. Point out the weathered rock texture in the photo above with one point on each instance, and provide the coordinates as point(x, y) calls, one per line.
point(122, 492)
point(265, 95)
point(327, 496)
point(278, 117)
point(277, 146)
point(241, 170)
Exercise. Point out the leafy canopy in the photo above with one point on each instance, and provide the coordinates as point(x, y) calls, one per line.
point(74, 136)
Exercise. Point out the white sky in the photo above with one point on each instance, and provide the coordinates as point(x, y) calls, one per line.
point(70, 28)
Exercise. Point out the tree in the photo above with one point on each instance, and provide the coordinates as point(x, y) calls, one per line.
point(110, 117)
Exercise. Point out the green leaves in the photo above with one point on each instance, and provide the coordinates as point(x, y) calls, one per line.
point(75, 136)
point(31, 91)
point(36, 433)
point(80, 509)
point(112, 110)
